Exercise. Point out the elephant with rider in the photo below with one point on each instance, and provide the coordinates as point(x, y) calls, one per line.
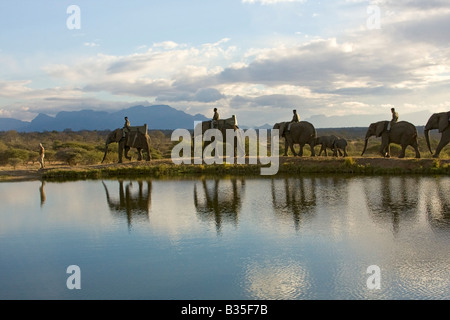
point(301, 133)
point(402, 133)
point(134, 137)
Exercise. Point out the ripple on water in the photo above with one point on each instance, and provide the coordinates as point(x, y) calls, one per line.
point(276, 280)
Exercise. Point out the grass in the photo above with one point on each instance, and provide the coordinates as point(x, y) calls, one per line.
point(289, 166)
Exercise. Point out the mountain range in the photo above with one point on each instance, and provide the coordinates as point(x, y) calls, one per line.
point(164, 117)
point(161, 117)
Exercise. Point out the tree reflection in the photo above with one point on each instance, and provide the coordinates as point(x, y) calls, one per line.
point(219, 200)
point(393, 200)
point(294, 197)
point(130, 203)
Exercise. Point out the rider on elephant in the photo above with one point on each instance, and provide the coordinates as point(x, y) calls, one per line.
point(215, 119)
point(295, 118)
point(394, 119)
point(126, 127)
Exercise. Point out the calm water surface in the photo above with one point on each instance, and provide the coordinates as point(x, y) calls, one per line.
point(261, 238)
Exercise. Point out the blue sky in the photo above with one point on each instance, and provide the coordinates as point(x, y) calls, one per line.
point(257, 59)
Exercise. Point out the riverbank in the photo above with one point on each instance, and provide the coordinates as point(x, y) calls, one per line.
point(287, 165)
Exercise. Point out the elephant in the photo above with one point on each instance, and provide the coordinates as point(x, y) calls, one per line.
point(440, 121)
point(402, 133)
point(340, 145)
point(134, 139)
point(300, 133)
point(326, 142)
point(222, 125)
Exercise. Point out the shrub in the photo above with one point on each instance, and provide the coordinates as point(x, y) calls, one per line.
point(14, 162)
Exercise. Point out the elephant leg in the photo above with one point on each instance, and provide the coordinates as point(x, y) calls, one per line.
point(120, 153)
point(286, 146)
point(445, 139)
point(300, 153)
point(384, 151)
point(126, 152)
point(403, 152)
point(313, 153)
point(293, 150)
point(139, 154)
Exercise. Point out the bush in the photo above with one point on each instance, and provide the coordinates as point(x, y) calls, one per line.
point(69, 156)
point(14, 162)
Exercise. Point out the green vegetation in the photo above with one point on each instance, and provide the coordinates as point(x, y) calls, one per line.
point(349, 165)
point(68, 147)
point(77, 155)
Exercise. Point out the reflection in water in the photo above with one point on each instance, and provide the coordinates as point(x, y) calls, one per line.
point(131, 203)
point(294, 197)
point(438, 203)
point(42, 193)
point(393, 200)
point(300, 237)
point(219, 200)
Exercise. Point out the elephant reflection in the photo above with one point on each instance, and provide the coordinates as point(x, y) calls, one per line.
point(393, 200)
point(437, 203)
point(132, 204)
point(219, 200)
point(294, 197)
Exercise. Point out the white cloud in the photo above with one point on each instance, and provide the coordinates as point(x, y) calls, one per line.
point(91, 44)
point(405, 63)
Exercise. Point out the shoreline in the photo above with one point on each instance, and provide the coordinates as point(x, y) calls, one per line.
point(287, 165)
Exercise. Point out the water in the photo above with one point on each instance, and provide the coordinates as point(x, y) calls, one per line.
point(249, 238)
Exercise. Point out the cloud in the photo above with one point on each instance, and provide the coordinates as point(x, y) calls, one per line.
point(91, 44)
point(357, 70)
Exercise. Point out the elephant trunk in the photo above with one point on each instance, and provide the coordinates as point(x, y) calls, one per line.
point(365, 146)
point(427, 138)
point(106, 152)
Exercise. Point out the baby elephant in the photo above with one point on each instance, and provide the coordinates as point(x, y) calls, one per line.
point(340, 144)
point(326, 142)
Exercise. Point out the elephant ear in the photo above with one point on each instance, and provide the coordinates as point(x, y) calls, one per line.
point(443, 122)
point(118, 134)
point(282, 126)
point(379, 128)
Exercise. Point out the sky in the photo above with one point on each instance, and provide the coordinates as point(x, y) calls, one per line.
point(256, 59)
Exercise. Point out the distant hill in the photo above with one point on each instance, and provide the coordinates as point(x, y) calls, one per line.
point(7, 124)
point(357, 120)
point(157, 117)
point(164, 117)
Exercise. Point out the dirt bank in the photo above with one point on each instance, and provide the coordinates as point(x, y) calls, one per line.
point(306, 164)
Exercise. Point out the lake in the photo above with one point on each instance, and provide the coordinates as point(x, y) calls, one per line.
point(284, 238)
